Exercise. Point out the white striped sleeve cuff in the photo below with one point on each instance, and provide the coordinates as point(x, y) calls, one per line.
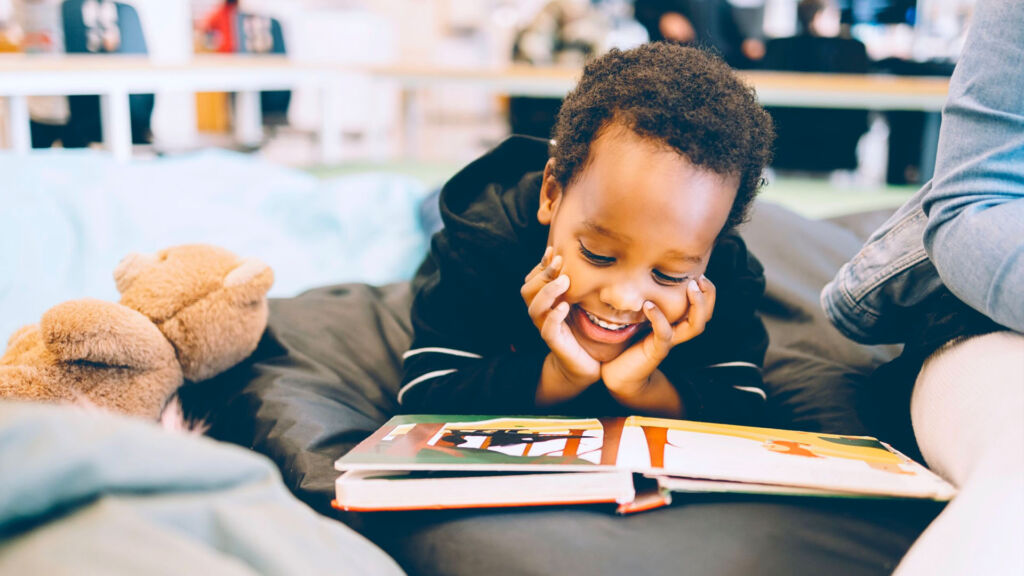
point(437, 350)
point(423, 378)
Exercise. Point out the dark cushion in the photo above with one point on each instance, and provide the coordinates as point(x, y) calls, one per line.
point(323, 377)
point(815, 375)
point(327, 371)
point(697, 535)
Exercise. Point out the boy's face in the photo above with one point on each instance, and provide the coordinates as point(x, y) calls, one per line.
point(638, 224)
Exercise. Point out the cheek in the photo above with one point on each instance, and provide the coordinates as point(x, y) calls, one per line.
point(583, 278)
point(578, 279)
point(673, 304)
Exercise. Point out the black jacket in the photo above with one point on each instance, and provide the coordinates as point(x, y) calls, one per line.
point(475, 349)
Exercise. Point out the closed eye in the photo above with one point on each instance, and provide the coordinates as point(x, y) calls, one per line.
point(595, 259)
point(669, 280)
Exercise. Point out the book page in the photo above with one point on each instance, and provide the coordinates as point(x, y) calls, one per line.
point(652, 446)
point(567, 441)
point(503, 443)
point(771, 456)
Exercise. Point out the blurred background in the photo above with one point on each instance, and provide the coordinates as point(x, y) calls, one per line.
point(314, 134)
point(386, 117)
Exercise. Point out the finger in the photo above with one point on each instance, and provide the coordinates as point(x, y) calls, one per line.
point(544, 261)
point(553, 268)
point(661, 329)
point(548, 274)
point(696, 318)
point(710, 294)
point(660, 326)
point(546, 297)
point(553, 323)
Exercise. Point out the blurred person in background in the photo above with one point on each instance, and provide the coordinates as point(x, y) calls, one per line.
point(817, 139)
point(733, 28)
point(818, 45)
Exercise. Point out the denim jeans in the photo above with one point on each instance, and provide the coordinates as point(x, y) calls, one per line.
point(964, 230)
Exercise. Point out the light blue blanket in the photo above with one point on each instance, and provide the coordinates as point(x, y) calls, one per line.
point(87, 492)
point(68, 217)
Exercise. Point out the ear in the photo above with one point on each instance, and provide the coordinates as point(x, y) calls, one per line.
point(249, 282)
point(246, 272)
point(550, 194)
point(130, 267)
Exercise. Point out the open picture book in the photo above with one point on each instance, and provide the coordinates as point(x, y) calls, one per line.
point(445, 461)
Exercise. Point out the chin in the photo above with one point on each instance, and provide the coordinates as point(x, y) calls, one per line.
point(604, 352)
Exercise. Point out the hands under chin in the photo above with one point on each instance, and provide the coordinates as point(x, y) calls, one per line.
point(542, 291)
point(633, 375)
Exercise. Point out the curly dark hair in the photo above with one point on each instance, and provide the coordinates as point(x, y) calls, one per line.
point(682, 97)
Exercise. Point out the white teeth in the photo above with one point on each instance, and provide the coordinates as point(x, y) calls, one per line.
point(603, 324)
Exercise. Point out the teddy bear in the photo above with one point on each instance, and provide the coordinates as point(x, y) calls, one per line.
point(186, 313)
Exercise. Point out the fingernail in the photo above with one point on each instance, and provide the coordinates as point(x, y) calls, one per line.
point(557, 261)
point(694, 286)
point(563, 279)
point(648, 305)
point(547, 252)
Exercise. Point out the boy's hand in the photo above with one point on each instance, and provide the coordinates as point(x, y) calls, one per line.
point(628, 375)
point(541, 290)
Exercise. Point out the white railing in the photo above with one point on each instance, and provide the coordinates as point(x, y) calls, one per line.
point(115, 77)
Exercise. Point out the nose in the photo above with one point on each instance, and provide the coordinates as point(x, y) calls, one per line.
point(624, 295)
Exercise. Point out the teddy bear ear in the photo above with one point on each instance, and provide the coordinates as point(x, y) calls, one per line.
point(130, 267)
point(249, 281)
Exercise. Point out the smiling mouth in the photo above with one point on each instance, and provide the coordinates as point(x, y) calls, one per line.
point(601, 331)
point(607, 325)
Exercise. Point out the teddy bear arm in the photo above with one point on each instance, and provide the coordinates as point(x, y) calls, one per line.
point(104, 333)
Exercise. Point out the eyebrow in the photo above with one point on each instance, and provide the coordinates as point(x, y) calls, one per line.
point(598, 229)
point(676, 255)
point(671, 254)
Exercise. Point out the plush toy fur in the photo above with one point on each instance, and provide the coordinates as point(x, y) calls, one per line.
point(188, 313)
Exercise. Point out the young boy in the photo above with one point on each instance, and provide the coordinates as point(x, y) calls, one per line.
point(624, 237)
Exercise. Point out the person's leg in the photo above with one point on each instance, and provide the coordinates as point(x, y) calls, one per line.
point(968, 414)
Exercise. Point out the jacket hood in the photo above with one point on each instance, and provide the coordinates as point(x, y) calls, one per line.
point(496, 197)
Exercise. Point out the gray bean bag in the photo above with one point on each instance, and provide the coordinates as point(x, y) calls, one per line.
point(327, 372)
